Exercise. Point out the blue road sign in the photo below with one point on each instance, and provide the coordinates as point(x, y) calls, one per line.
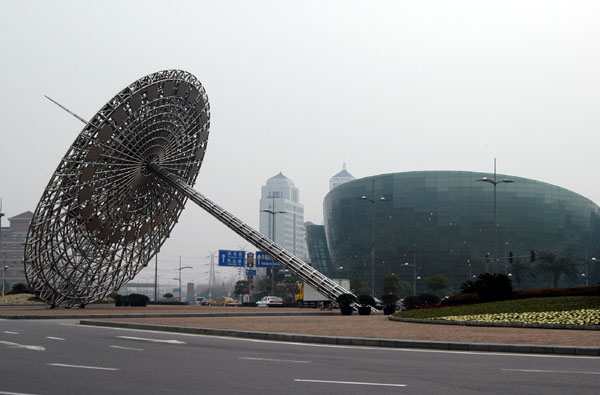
point(251, 272)
point(263, 260)
point(232, 258)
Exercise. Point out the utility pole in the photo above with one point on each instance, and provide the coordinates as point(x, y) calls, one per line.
point(211, 273)
point(156, 277)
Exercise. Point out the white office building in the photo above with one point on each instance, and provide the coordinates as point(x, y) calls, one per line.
point(281, 197)
point(340, 178)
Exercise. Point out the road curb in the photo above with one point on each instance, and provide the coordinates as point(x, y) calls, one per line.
point(359, 341)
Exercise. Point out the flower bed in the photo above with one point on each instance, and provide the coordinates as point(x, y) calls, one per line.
point(564, 310)
point(574, 317)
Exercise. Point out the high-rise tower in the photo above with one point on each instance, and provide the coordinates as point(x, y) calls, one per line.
point(281, 197)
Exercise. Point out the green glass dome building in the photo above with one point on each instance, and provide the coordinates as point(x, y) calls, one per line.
point(425, 223)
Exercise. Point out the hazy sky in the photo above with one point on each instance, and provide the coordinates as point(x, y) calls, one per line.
point(300, 87)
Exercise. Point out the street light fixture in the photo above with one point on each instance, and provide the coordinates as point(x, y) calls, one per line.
point(347, 268)
point(373, 201)
point(495, 182)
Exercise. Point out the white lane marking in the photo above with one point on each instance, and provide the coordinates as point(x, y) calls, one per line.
point(17, 345)
point(54, 338)
point(549, 371)
point(152, 340)
point(63, 365)
point(413, 350)
point(273, 360)
point(11, 333)
point(350, 382)
point(127, 348)
point(13, 393)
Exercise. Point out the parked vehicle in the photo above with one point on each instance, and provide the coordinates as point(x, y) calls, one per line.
point(378, 304)
point(223, 301)
point(201, 300)
point(309, 297)
point(270, 301)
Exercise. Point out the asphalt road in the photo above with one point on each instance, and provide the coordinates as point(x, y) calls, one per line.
point(61, 357)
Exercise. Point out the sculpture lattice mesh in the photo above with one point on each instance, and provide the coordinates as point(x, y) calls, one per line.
point(103, 216)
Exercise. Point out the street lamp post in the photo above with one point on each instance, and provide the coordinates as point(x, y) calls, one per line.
point(179, 277)
point(4, 267)
point(595, 260)
point(495, 183)
point(273, 214)
point(415, 277)
point(347, 268)
point(373, 201)
point(469, 264)
point(156, 277)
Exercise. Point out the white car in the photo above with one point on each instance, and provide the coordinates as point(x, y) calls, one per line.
point(270, 301)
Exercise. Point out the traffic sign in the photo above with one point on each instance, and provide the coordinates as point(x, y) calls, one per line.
point(263, 260)
point(232, 258)
point(251, 272)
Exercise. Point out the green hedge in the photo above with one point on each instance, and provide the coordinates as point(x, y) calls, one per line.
point(471, 298)
point(553, 292)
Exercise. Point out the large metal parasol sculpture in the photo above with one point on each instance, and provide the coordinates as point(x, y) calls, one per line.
point(118, 191)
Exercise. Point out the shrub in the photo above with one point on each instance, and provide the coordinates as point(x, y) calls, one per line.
point(412, 301)
point(121, 300)
point(468, 287)
point(429, 299)
point(20, 288)
point(493, 286)
point(345, 299)
point(113, 295)
point(138, 300)
point(552, 292)
point(389, 298)
point(415, 301)
point(463, 298)
point(168, 295)
point(365, 300)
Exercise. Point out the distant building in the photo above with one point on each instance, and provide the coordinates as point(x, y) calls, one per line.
point(340, 178)
point(318, 252)
point(191, 293)
point(281, 195)
point(12, 249)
